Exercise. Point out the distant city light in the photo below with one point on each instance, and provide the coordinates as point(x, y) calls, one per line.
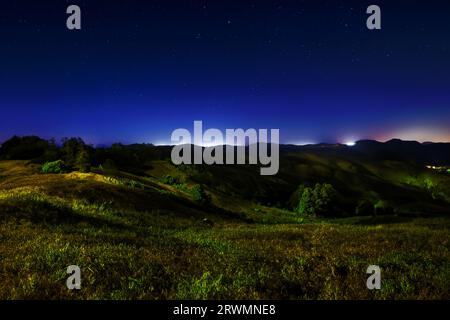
point(350, 143)
point(161, 143)
point(304, 143)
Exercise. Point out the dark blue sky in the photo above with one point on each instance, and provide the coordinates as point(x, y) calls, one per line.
point(137, 71)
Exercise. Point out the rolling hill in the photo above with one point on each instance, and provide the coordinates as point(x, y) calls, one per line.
point(159, 231)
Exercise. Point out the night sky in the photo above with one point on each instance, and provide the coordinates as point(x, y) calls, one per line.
point(138, 70)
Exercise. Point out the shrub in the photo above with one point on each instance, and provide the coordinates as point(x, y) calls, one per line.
point(53, 167)
point(168, 179)
point(199, 194)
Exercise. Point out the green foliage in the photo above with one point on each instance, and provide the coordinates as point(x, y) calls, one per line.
point(435, 185)
point(82, 161)
point(51, 152)
point(306, 205)
point(295, 197)
point(318, 201)
point(76, 154)
point(53, 167)
point(124, 182)
point(170, 180)
point(199, 194)
point(135, 184)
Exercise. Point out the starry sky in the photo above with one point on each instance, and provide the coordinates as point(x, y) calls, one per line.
point(139, 70)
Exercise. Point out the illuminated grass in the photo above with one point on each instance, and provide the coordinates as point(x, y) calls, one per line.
point(134, 243)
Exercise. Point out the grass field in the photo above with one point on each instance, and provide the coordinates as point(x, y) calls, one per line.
point(148, 240)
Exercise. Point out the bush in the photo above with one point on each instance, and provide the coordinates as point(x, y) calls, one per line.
point(199, 194)
point(168, 179)
point(53, 167)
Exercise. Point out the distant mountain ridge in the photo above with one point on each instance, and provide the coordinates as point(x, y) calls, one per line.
point(396, 149)
point(427, 153)
point(423, 153)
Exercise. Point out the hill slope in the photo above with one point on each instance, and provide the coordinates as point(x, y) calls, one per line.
point(146, 234)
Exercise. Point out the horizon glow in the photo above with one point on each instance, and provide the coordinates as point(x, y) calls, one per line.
point(129, 81)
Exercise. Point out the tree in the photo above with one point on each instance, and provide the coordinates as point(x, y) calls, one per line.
point(325, 196)
point(76, 154)
point(306, 203)
point(364, 208)
point(23, 148)
point(51, 153)
point(109, 164)
point(318, 201)
point(82, 161)
point(295, 197)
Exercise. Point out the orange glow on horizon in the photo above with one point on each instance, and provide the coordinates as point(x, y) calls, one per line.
point(420, 134)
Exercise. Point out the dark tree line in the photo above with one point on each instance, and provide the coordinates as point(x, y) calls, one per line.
point(75, 154)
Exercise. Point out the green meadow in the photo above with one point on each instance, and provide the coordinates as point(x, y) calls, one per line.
point(182, 233)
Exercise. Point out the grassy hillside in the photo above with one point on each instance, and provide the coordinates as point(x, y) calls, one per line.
point(141, 237)
point(408, 187)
